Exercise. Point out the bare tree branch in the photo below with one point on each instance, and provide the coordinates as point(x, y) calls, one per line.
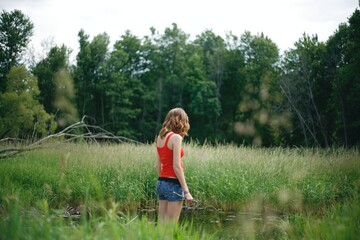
point(68, 134)
point(300, 116)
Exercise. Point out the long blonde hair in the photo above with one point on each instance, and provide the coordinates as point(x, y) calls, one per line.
point(176, 121)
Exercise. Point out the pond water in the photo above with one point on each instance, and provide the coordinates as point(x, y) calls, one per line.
point(229, 224)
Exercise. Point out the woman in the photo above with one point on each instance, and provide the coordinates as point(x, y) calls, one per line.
point(171, 186)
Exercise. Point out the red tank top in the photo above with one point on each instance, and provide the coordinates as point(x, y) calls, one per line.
point(167, 159)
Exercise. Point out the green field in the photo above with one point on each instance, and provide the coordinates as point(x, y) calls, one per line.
point(241, 193)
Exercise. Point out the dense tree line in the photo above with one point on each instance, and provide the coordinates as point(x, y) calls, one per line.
point(235, 89)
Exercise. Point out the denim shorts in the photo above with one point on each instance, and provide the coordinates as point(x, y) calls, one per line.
point(169, 190)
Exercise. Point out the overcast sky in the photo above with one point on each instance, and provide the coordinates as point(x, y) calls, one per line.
point(283, 21)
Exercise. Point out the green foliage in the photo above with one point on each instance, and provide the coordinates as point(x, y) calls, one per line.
point(63, 99)
point(306, 91)
point(201, 99)
point(340, 222)
point(238, 89)
point(234, 90)
point(123, 88)
point(21, 114)
point(171, 67)
point(257, 116)
point(15, 32)
point(89, 76)
point(348, 84)
point(19, 80)
point(46, 70)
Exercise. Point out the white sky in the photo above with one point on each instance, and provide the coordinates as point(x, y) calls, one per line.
point(283, 21)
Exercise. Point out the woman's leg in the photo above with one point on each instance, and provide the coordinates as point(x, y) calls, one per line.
point(163, 206)
point(174, 210)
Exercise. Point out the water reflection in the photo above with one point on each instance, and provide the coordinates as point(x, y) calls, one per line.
point(209, 219)
point(228, 224)
point(223, 224)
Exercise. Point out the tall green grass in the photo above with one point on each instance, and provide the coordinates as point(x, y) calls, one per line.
point(283, 190)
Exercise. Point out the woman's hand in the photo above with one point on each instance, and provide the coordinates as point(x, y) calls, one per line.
point(188, 197)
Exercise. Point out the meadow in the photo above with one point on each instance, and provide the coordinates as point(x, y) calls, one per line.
point(107, 191)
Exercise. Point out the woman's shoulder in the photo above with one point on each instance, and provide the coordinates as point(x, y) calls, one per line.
point(176, 137)
point(169, 137)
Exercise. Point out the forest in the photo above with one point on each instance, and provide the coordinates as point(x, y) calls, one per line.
point(235, 89)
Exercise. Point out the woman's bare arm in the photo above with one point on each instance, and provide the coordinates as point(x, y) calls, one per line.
point(176, 143)
point(158, 164)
